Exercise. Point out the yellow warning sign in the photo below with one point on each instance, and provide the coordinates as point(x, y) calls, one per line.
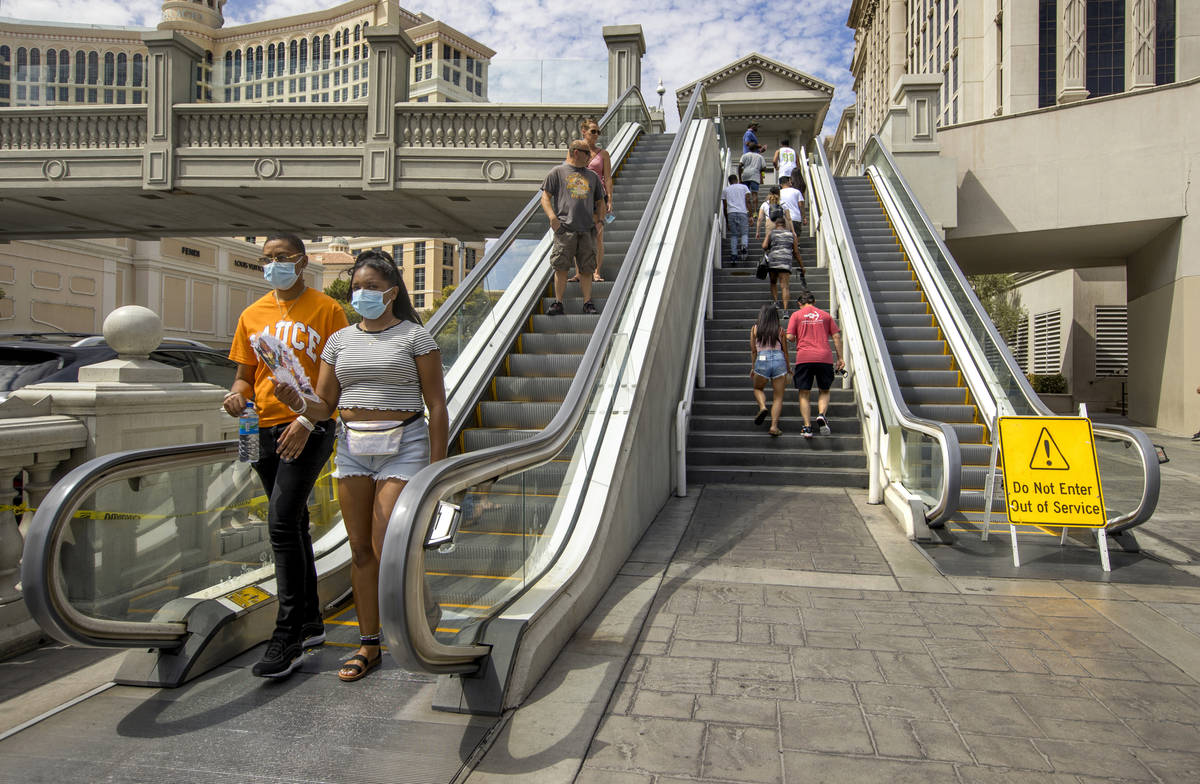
point(248, 596)
point(1050, 471)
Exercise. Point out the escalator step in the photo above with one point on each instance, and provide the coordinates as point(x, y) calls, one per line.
point(523, 389)
point(550, 365)
point(524, 416)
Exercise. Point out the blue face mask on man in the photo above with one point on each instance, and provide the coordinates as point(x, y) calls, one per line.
point(280, 274)
point(369, 304)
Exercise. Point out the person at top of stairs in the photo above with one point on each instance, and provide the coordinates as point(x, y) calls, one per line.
point(573, 200)
point(736, 201)
point(770, 365)
point(810, 328)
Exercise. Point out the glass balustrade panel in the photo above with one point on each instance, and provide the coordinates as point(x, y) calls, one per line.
point(139, 542)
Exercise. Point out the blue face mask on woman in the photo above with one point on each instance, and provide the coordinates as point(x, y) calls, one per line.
point(280, 274)
point(369, 304)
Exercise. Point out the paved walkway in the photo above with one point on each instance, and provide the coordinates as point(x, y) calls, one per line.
point(796, 636)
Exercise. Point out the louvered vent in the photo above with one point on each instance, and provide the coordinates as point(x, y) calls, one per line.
point(1112, 340)
point(1047, 342)
point(754, 79)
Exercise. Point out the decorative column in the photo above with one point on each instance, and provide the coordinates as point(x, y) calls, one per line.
point(1140, 18)
point(387, 85)
point(626, 45)
point(171, 71)
point(1072, 50)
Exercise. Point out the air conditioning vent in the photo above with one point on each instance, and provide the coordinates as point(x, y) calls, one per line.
point(754, 79)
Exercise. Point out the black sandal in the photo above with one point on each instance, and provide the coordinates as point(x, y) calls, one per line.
point(358, 664)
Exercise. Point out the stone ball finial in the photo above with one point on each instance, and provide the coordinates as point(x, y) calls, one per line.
point(660, 89)
point(133, 331)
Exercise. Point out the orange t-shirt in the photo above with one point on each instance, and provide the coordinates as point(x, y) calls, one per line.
point(305, 324)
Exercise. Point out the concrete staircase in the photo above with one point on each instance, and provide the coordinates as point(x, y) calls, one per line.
point(724, 444)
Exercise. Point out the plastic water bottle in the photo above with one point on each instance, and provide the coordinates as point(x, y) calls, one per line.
point(610, 217)
point(248, 434)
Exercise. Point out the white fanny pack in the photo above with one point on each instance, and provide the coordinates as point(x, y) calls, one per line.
point(381, 437)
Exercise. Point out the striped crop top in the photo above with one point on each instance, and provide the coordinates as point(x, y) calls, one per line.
point(378, 370)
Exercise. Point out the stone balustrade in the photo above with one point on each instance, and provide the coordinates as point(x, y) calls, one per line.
point(73, 128)
point(274, 125)
point(496, 126)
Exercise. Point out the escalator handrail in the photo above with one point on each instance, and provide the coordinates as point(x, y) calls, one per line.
point(44, 591)
point(498, 248)
point(1148, 455)
point(947, 505)
point(403, 610)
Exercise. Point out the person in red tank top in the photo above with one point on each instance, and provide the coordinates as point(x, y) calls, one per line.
point(810, 328)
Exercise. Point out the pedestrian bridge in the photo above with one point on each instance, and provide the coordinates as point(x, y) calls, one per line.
point(170, 167)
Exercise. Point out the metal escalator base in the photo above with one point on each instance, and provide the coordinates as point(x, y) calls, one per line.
point(230, 726)
point(1043, 558)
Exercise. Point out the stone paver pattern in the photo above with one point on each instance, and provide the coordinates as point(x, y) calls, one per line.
point(742, 682)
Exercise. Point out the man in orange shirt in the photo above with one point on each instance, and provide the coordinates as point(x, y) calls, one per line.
point(302, 318)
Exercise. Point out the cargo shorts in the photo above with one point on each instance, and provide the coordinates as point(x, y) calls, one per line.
point(574, 249)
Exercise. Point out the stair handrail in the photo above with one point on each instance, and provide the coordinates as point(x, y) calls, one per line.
point(1132, 437)
point(881, 373)
point(414, 645)
point(695, 375)
point(497, 249)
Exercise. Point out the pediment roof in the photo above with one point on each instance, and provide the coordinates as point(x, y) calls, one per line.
point(761, 62)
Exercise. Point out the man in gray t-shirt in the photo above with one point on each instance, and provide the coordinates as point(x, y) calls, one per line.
point(573, 200)
point(750, 169)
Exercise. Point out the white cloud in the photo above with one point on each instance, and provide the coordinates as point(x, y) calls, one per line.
point(684, 39)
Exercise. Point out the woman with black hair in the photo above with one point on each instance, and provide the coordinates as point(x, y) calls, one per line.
point(381, 373)
point(770, 364)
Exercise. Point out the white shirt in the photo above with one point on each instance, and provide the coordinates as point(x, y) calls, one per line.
point(787, 161)
point(790, 197)
point(735, 197)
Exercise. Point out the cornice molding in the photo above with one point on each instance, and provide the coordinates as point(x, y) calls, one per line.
point(762, 63)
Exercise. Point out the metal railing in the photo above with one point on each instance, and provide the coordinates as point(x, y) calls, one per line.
point(922, 456)
point(1000, 379)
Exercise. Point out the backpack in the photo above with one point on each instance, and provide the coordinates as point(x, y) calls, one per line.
point(775, 212)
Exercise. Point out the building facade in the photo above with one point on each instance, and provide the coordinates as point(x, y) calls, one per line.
point(1058, 145)
point(319, 57)
point(427, 264)
point(1000, 57)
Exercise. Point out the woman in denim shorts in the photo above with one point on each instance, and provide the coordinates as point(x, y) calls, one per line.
point(770, 365)
point(381, 374)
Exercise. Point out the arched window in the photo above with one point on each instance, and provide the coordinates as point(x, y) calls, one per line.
point(237, 66)
point(357, 32)
point(337, 39)
point(324, 51)
point(271, 60)
point(22, 65)
point(293, 51)
point(138, 69)
point(279, 53)
point(51, 64)
point(345, 36)
point(109, 67)
point(249, 63)
point(303, 55)
point(64, 66)
point(80, 67)
point(93, 68)
point(229, 77)
point(258, 62)
point(5, 67)
point(35, 65)
point(122, 69)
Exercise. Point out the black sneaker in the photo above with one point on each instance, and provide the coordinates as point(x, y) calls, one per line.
point(312, 634)
point(1196, 437)
point(589, 308)
point(822, 425)
point(806, 431)
point(555, 309)
point(281, 659)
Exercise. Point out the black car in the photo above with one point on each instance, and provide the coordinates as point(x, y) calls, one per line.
point(35, 357)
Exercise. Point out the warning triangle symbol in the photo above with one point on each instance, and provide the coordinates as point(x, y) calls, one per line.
point(1046, 454)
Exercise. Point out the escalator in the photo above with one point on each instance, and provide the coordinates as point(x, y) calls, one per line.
point(501, 517)
point(938, 375)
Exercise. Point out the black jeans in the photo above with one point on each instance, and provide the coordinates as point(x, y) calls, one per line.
point(288, 486)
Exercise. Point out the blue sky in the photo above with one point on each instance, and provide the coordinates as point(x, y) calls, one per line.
point(685, 39)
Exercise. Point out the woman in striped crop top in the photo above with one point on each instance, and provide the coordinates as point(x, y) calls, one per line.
point(381, 374)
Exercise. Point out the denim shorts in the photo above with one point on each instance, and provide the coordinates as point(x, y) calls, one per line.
point(770, 364)
point(411, 458)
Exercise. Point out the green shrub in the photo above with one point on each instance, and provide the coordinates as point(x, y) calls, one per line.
point(1049, 384)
